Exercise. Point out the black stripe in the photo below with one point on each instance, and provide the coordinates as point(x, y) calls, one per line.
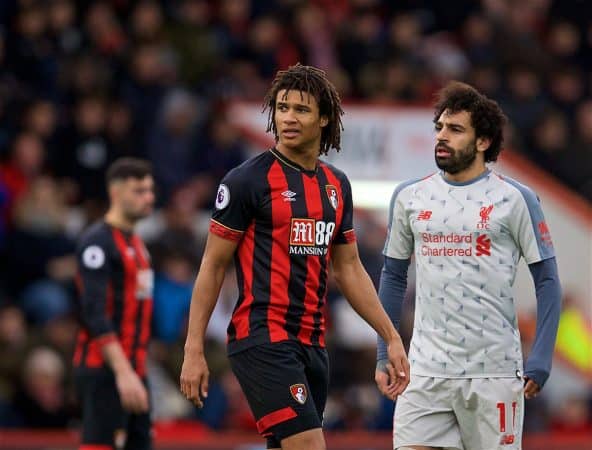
point(261, 285)
point(329, 215)
point(84, 352)
point(140, 311)
point(297, 277)
point(240, 280)
point(117, 286)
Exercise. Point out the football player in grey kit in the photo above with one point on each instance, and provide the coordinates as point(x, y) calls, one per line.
point(467, 228)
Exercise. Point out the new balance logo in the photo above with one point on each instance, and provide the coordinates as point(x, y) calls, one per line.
point(507, 439)
point(483, 245)
point(424, 214)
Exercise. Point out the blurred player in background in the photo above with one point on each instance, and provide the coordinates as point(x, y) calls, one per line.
point(283, 216)
point(467, 228)
point(115, 281)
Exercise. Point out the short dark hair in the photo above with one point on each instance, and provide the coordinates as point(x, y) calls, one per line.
point(487, 118)
point(315, 82)
point(127, 167)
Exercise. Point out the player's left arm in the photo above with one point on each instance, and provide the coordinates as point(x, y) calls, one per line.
point(548, 293)
point(531, 233)
point(355, 284)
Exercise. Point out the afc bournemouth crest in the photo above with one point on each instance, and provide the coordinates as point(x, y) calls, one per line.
point(332, 194)
point(298, 391)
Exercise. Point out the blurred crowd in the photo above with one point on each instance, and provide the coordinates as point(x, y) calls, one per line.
point(84, 82)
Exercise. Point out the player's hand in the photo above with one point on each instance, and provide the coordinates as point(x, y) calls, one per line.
point(195, 377)
point(531, 388)
point(132, 392)
point(384, 373)
point(399, 376)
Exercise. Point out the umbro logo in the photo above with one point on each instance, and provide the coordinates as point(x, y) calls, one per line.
point(289, 196)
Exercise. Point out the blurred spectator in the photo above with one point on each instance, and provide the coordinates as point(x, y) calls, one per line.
point(85, 153)
point(40, 254)
point(30, 51)
point(478, 37)
point(566, 88)
point(173, 144)
point(193, 40)
point(580, 156)
point(221, 150)
point(14, 338)
point(316, 36)
point(175, 263)
point(563, 42)
point(549, 142)
point(120, 132)
point(66, 37)
point(147, 22)
point(524, 101)
point(40, 401)
point(25, 162)
point(103, 29)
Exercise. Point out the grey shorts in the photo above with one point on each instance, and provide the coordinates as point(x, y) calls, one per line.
point(460, 414)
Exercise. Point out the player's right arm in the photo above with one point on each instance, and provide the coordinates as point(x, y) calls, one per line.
point(194, 373)
point(234, 210)
point(393, 281)
point(95, 275)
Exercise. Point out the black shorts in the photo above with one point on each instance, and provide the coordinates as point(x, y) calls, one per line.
point(103, 416)
point(286, 386)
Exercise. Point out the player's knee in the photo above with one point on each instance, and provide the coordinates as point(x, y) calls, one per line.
point(306, 440)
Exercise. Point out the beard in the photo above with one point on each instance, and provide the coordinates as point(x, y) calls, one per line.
point(135, 216)
point(458, 160)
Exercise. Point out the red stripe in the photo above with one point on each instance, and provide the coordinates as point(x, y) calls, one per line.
point(314, 206)
point(350, 236)
point(240, 318)
point(146, 311)
point(94, 357)
point(224, 232)
point(109, 301)
point(80, 343)
point(271, 419)
point(95, 447)
point(280, 260)
point(130, 303)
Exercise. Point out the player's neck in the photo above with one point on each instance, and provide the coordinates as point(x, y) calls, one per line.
point(305, 158)
point(118, 220)
point(468, 174)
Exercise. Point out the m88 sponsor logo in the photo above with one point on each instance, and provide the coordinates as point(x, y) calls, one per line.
point(310, 236)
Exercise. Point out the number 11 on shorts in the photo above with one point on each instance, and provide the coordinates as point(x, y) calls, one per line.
point(506, 438)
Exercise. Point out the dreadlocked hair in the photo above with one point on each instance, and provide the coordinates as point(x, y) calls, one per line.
point(315, 82)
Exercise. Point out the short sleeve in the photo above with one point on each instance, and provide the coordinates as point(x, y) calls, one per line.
point(94, 269)
point(234, 206)
point(399, 240)
point(529, 228)
point(346, 234)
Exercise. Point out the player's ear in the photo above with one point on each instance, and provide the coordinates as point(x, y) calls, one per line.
point(483, 143)
point(324, 121)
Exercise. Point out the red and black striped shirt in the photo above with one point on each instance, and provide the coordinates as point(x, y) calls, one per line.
point(285, 219)
point(115, 284)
